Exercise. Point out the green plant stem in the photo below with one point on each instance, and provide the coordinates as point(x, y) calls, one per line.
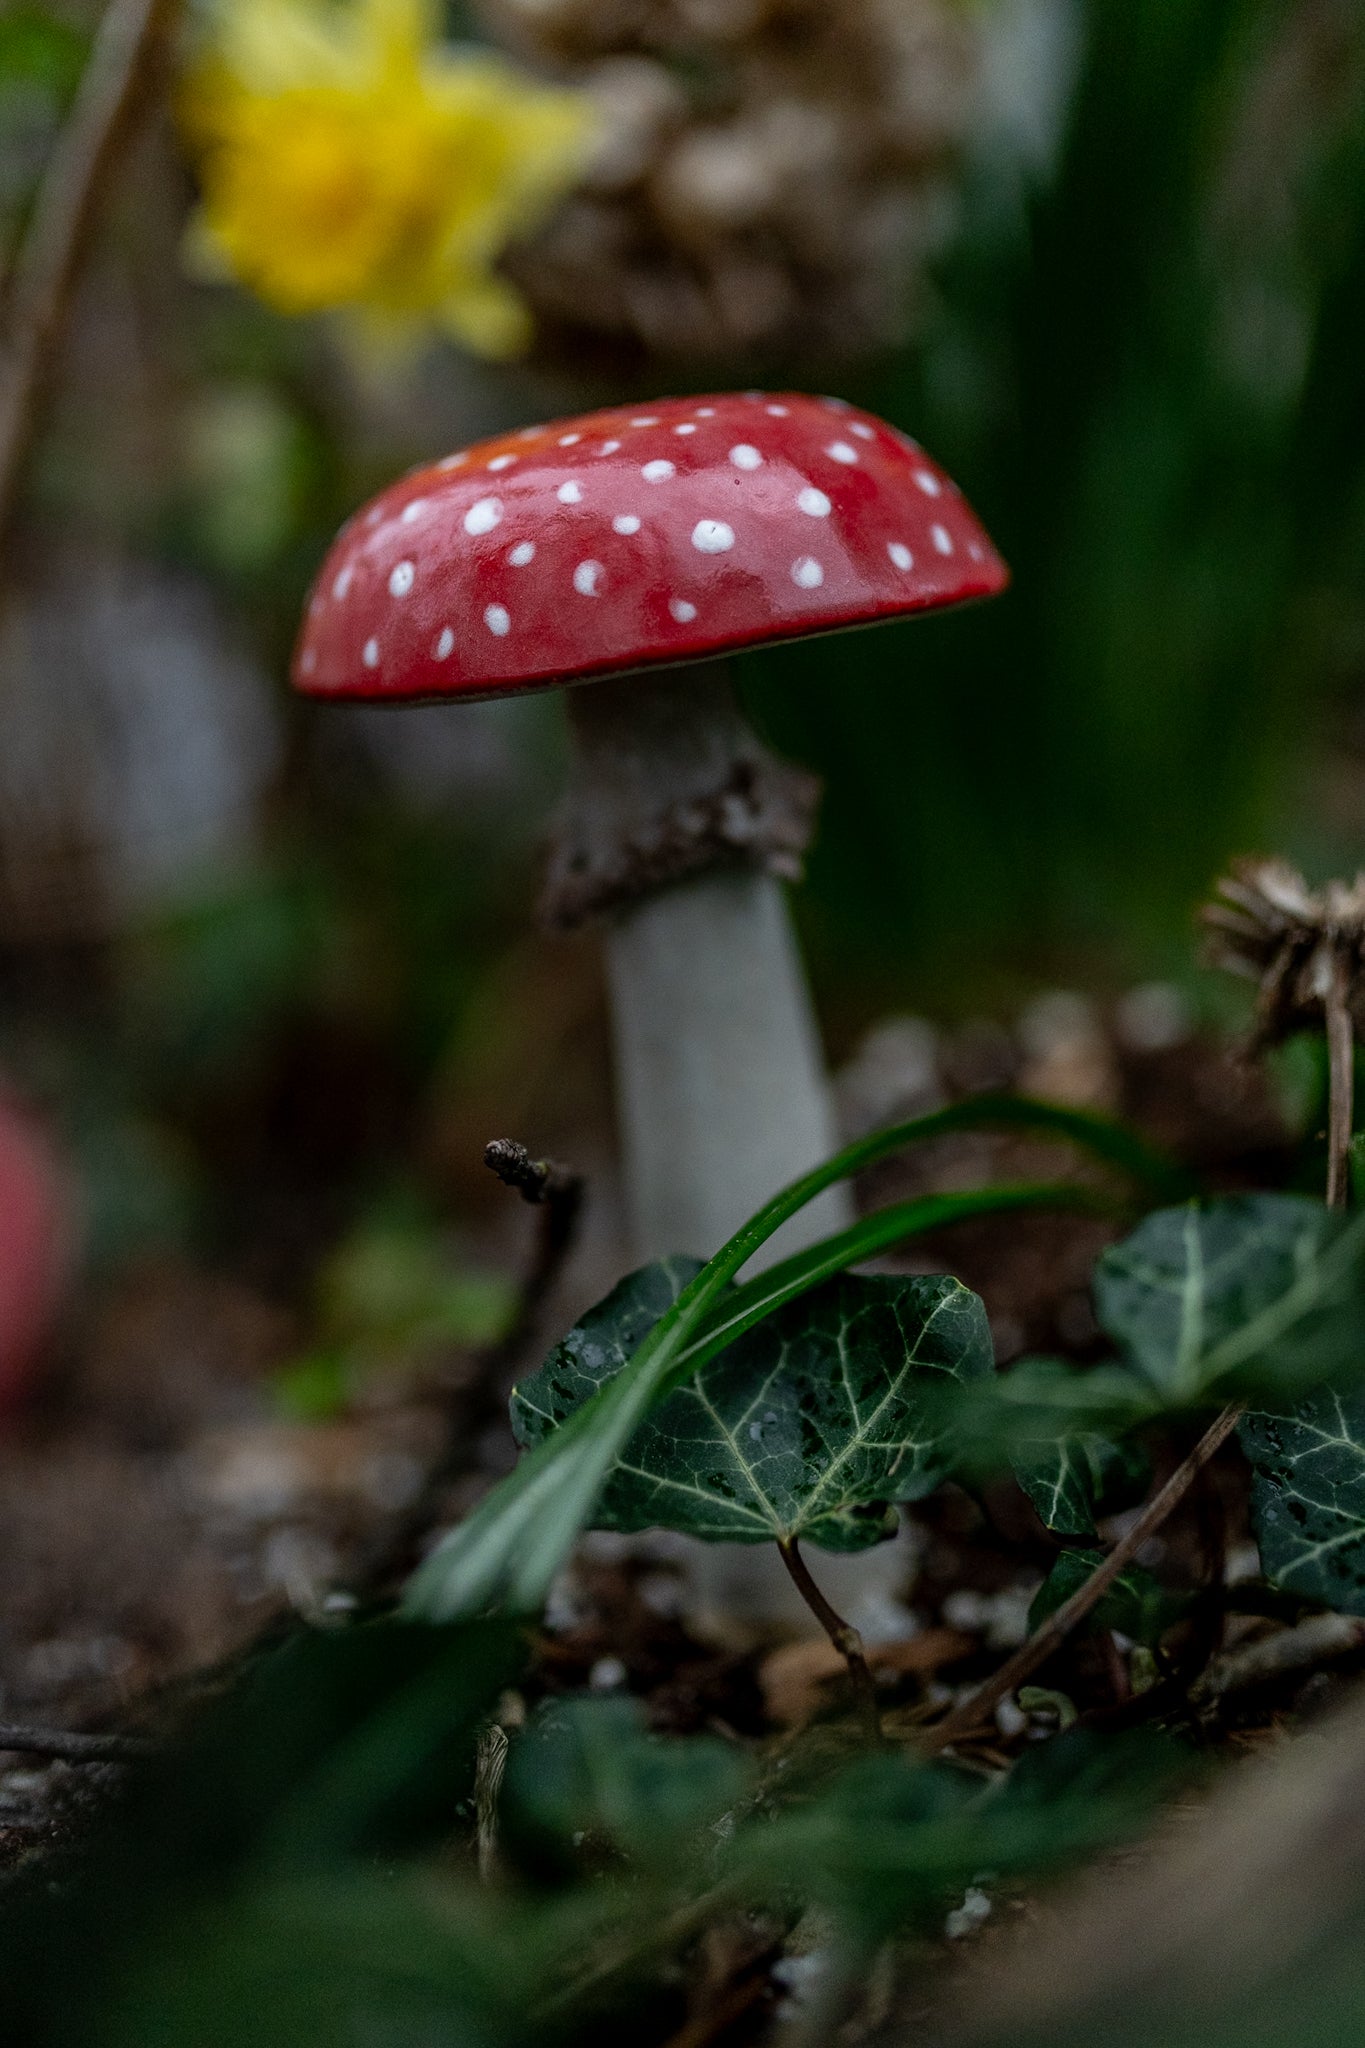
point(841, 1633)
point(970, 1715)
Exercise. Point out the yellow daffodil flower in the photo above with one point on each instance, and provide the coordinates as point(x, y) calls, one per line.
point(350, 160)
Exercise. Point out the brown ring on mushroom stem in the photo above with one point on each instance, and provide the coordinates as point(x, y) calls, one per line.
point(613, 549)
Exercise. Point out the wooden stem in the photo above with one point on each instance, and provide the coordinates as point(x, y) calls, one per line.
point(970, 1715)
point(73, 188)
point(841, 1633)
point(1341, 1084)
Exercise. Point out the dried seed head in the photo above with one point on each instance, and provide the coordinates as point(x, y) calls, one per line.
point(1267, 924)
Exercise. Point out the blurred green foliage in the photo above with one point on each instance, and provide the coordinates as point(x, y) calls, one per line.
point(1144, 369)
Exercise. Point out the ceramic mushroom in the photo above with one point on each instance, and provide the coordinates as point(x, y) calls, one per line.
point(606, 552)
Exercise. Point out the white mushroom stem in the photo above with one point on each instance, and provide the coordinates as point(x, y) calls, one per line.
point(679, 827)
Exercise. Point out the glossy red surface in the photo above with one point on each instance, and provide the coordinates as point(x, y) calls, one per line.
point(638, 535)
point(34, 1244)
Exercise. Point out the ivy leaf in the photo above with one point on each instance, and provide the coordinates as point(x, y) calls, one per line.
point(1254, 1290)
point(1137, 1605)
point(1308, 1497)
point(589, 1771)
point(811, 1424)
point(1071, 1479)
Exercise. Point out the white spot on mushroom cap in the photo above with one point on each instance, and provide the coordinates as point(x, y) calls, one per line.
point(570, 493)
point(484, 516)
point(413, 512)
point(841, 451)
point(712, 536)
point(976, 551)
point(900, 554)
point(498, 620)
point(807, 574)
point(308, 660)
point(625, 522)
point(345, 578)
point(682, 611)
point(746, 457)
point(928, 483)
point(374, 515)
point(569, 440)
point(522, 553)
point(942, 539)
point(658, 472)
point(586, 578)
point(813, 502)
point(370, 654)
point(778, 412)
point(706, 412)
point(402, 580)
point(454, 461)
point(445, 644)
point(862, 430)
point(646, 420)
point(503, 461)
point(609, 447)
point(687, 427)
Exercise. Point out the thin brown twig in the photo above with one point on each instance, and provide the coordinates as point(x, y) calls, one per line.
point(841, 1633)
point(65, 1746)
point(1340, 1083)
point(557, 1191)
point(73, 187)
point(971, 1714)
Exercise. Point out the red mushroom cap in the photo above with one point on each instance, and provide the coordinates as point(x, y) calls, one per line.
point(639, 535)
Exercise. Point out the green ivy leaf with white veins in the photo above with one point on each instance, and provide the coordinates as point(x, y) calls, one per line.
point(1253, 1291)
point(812, 1424)
point(1308, 1497)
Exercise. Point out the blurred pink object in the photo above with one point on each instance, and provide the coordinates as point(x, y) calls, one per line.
point(35, 1244)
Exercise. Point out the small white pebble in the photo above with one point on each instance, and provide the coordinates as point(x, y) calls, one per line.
point(1010, 1718)
point(445, 644)
point(503, 461)
point(658, 472)
point(413, 512)
point(975, 1908)
point(682, 611)
point(942, 539)
point(813, 502)
point(606, 1674)
point(484, 516)
point(928, 483)
point(402, 580)
point(900, 554)
point(746, 457)
point(498, 620)
point(625, 522)
point(807, 574)
point(523, 553)
point(842, 451)
point(570, 493)
point(712, 537)
point(569, 440)
point(586, 578)
point(343, 582)
point(370, 654)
